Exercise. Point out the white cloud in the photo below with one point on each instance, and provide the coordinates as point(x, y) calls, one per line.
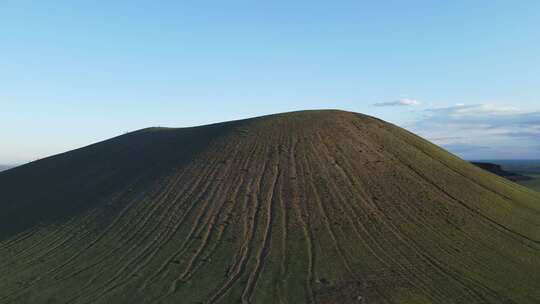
point(461, 110)
point(482, 130)
point(399, 102)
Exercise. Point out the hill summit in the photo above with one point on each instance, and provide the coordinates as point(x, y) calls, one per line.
point(302, 207)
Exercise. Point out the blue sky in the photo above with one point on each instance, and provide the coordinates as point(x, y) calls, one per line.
point(464, 74)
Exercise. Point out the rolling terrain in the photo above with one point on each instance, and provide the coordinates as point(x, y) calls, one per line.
point(525, 172)
point(302, 207)
point(523, 166)
point(498, 170)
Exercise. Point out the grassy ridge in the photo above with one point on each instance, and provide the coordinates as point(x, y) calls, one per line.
point(302, 207)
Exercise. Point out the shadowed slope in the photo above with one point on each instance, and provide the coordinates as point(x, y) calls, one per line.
point(69, 183)
point(314, 206)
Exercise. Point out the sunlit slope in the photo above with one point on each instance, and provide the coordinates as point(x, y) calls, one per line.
point(313, 206)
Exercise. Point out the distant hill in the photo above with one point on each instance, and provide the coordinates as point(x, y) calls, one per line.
point(302, 207)
point(497, 169)
point(523, 166)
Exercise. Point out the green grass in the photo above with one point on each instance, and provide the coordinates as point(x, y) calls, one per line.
point(302, 207)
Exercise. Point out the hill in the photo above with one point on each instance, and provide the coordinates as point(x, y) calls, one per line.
point(302, 207)
point(533, 182)
point(497, 169)
point(523, 166)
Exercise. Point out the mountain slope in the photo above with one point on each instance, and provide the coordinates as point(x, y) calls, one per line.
point(312, 206)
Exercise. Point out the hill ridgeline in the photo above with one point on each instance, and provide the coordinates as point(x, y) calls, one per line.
point(302, 207)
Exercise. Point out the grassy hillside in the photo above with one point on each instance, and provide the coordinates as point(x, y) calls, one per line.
point(303, 207)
